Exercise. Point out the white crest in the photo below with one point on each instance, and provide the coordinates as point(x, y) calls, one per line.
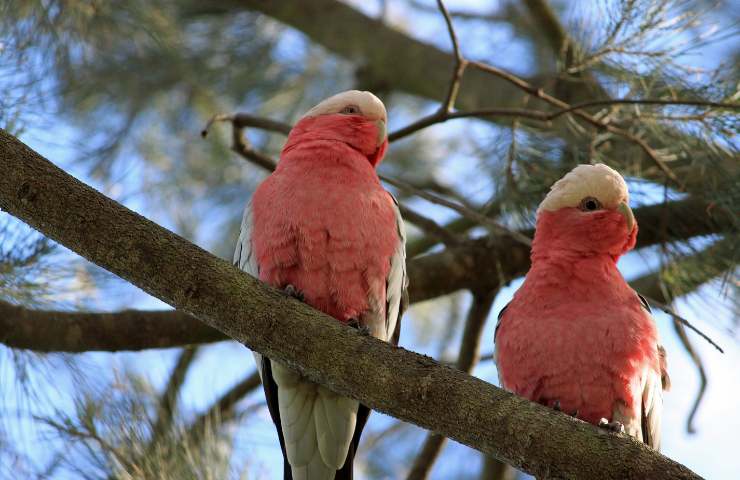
point(598, 181)
point(368, 104)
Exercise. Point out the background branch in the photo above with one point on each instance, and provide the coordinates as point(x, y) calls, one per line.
point(168, 401)
point(223, 408)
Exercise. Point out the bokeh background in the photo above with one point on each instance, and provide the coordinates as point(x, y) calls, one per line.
point(117, 93)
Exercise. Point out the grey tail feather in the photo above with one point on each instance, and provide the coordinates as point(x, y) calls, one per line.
point(271, 394)
point(346, 472)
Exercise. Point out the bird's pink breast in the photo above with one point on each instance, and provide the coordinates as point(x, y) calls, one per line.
point(326, 226)
point(576, 333)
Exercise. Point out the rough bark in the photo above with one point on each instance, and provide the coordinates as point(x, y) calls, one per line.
point(411, 387)
point(60, 331)
point(466, 361)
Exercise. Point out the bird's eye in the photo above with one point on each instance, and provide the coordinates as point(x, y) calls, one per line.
point(350, 110)
point(589, 204)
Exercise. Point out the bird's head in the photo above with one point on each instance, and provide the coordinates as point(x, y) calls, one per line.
point(587, 211)
point(355, 118)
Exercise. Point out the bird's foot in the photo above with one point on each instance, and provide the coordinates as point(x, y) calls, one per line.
point(556, 406)
point(614, 426)
point(355, 323)
point(291, 291)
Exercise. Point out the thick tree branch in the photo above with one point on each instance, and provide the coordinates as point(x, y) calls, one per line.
point(406, 385)
point(60, 331)
point(466, 361)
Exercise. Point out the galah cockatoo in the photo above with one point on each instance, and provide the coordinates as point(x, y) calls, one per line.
point(575, 336)
point(323, 228)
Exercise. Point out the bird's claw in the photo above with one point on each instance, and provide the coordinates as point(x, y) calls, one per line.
point(291, 291)
point(614, 426)
point(556, 406)
point(355, 323)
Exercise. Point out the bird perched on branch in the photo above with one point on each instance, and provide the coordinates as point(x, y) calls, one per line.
point(322, 228)
point(575, 336)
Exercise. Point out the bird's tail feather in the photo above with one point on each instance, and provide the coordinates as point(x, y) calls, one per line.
point(317, 425)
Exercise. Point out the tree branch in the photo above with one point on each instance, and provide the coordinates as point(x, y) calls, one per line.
point(494, 469)
point(168, 401)
point(406, 385)
point(74, 332)
point(429, 226)
point(224, 406)
point(479, 264)
point(466, 361)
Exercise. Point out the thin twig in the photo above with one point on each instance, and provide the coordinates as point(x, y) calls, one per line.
point(445, 113)
point(437, 118)
point(467, 212)
point(168, 401)
point(668, 310)
point(242, 147)
point(681, 332)
point(243, 120)
point(429, 226)
point(643, 101)
point(540, 93)
point(460, 63)
point(239, 142)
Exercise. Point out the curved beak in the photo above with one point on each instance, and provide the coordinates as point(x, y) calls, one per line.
point(382, 132)
point(626, 211)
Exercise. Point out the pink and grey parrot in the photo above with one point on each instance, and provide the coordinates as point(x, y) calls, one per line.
point(575, 336)
point(323, 228)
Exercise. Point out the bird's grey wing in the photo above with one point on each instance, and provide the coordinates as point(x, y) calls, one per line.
point(397, 283)
point(652, 394)
point(244, 257)
point(647, 426)
point(495, 332)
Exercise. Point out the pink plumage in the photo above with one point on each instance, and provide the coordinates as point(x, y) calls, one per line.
point(322, 227)
point(322, 221)
point(575, 335)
